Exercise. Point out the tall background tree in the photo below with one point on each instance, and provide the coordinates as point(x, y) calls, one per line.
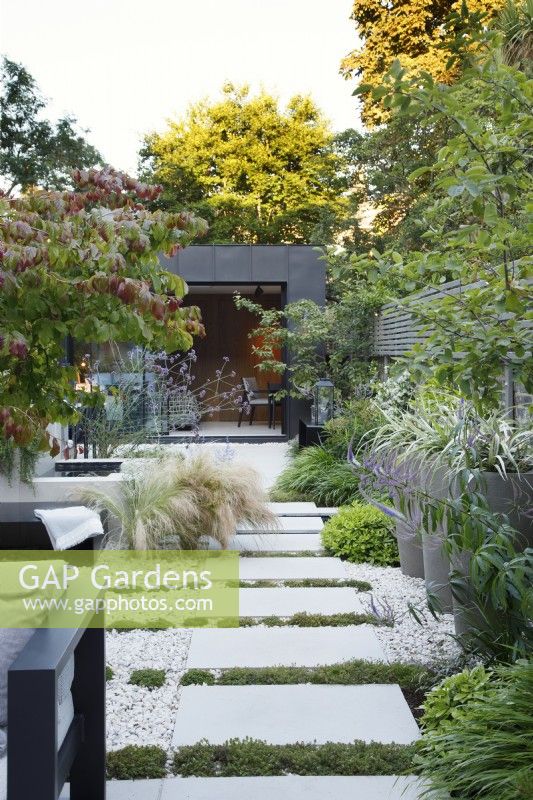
point(35, 152)
point(257, 173)
point(410, 31)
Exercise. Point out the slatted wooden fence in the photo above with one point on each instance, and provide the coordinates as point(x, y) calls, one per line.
point(396, 330)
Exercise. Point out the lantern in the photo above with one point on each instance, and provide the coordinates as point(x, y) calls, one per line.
point(323, 398)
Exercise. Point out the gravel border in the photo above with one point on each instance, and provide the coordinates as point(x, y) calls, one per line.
point(142, 716)
point(431, 643)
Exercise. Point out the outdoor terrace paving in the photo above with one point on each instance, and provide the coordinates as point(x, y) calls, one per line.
point(295, 509)
point(294, 713)
point(287, 525)
point(300, 647)
point(290, 787)
point(273, 542)
point(286, 714)
point(255, 569)
point(282, 602)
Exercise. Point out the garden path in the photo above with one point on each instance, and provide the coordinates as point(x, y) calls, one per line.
point(285, 713)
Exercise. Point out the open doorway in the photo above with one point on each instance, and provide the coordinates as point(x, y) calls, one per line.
point(228, 336)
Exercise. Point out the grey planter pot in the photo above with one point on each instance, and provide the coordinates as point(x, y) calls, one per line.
point(437, 570)
point(410, 550)
point(514, 497)
point(465, 615)
point(436, 560)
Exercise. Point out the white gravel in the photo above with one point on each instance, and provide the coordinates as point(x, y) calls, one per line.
point(430, 643)
point(136, 715)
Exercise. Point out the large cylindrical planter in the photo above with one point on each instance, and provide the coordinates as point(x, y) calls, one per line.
point(467, 614)
point(512, 496)
point(437, 571)
point(436, 559)
point(410, 550)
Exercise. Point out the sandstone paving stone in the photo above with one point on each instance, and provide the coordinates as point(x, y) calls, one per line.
point(291, 568)
point(294, 713)
point(270, 647)
point(127, 790)
point(292, 787)
point(295, 509)
point(284, 602)
point(287, 525)
point(274, 542)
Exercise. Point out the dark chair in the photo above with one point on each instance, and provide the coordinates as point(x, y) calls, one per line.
point(252, 397)
point(273, 403)
point(37, 767)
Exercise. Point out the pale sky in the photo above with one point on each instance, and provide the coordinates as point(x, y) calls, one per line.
point(123, 67)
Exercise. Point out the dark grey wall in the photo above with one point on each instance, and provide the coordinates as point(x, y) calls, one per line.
point(298, 268)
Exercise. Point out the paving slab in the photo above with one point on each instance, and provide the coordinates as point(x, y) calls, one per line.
point(127, 790)
point(293, 787)
point(287, 525)
point(294, 713)
point(274, 542)
point(293, 509)
point(281, 602)
point(256, 569)
point(273, 647)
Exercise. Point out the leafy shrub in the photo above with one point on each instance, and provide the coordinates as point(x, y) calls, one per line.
point(149, 678)
point(486, 753)
point(318, 476)
point(357, 419)
point(109, 673)
point(135, 762)
point(361, 533)
point(243, 757)
point(198, 676)
point(449, 701)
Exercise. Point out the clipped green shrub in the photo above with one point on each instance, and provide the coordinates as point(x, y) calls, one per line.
point(135, 762)
point(486, 753)
point(448, 702)
point(360, 533)
point(316, 475)
point(149, 678)
point(109, 674)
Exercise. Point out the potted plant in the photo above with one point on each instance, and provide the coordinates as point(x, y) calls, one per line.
point(408, 453)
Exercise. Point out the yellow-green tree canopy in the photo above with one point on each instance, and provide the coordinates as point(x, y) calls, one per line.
point(411, 31)
point(258, 173)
